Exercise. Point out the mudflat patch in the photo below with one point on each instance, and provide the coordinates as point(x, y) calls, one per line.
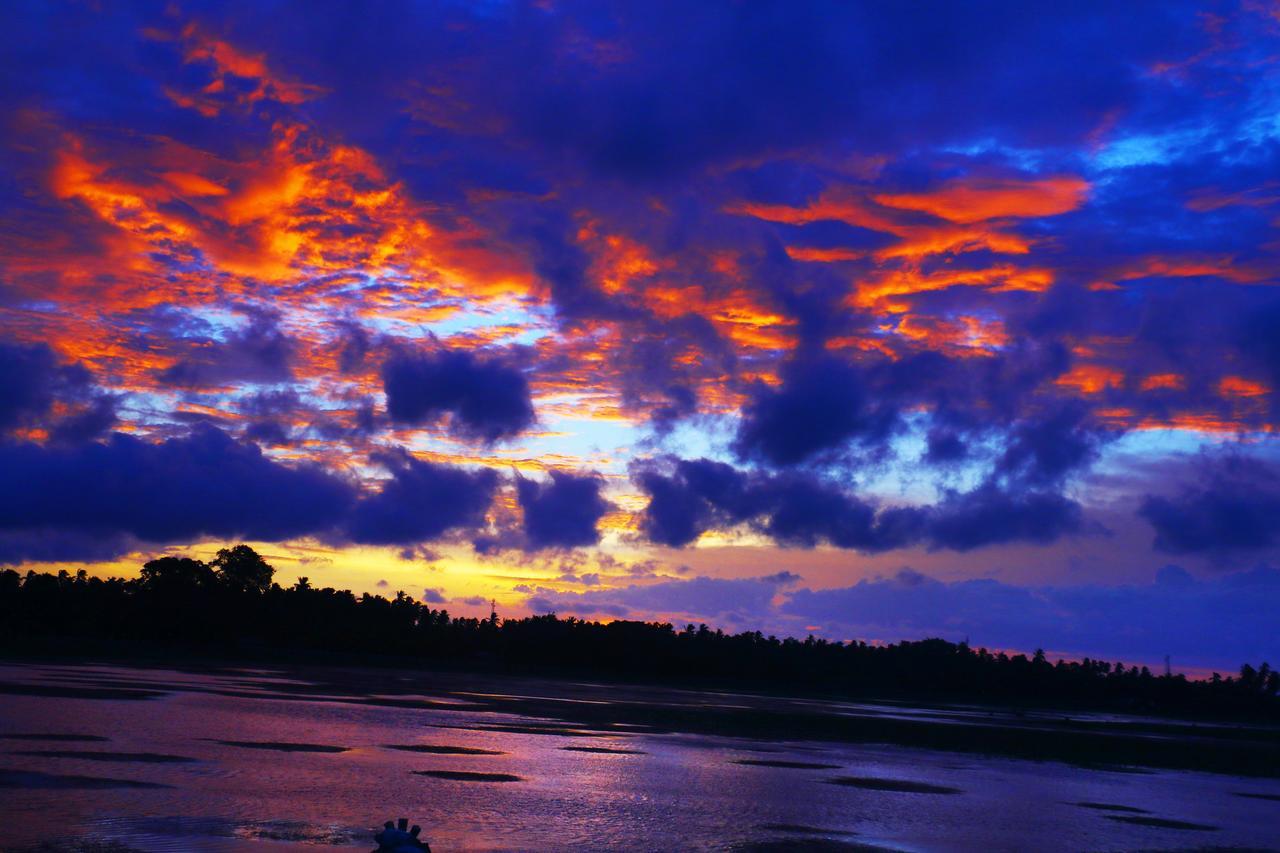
point(789, 765)
point(1112, 768)
point(901, 786)
point(557, 731)
point(809, 845)
point(801, 829)
point(442, 749)
point(91, 755)
point(77, 845)
point(1112, 807)
point(55, 738)
point(71, 692)
point(604, 750)
point(1162, 823)
point(281, 746)
point(468, 776)
point(31, 780)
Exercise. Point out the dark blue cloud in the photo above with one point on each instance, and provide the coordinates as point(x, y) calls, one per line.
point(1199, 623)
point(1214, 622)
point(268, 432)
point(90, 421)
point(822, 405)
point(420, 501)
point(180, 490)
point(486, 400)
point(60, 544)
point(31, 379)
point(690, 497)
point(1259, 342)
point(1043, 449)
point(259, 352)
point(562, 513)
point(828, 407)
point(1234, 508)
point(354, 344)
point(990, 515)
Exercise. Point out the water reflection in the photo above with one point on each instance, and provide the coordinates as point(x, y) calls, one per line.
point(264, 760)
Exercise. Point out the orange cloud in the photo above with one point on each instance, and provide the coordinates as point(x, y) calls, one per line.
point(1091, 378)
point(963, 337)
point(1192, 266)
point(226, 61)
point(1238, 386)
point(1157, 381)
point(916, 240)
point(1002, 277)
point(967, 200)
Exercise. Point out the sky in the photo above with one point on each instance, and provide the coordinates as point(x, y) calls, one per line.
point(847, 319)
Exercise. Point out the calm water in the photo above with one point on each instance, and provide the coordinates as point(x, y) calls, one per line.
point(168, 777)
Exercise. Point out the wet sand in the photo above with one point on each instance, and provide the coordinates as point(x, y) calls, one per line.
point(236, 759)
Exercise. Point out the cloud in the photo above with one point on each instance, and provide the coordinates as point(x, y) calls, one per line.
point(821, 405)
point(707, 598)
point(1233, 509)
point(989, 515)
point(182, 489)
point(795, 509)
point(431, 595)
point(259, 352)
point(208, 485)
point(487, 400)
point(1217, 622)
point(871, 252)
point(87, 422)
point(61, 544)
point(420, 501)
point(562, 513)
point(38, 390)
point(1042, 450)
point(29, 376)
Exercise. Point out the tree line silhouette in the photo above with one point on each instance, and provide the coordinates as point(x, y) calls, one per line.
point(230, 607)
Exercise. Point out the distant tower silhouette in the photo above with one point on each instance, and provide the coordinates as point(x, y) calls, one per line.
point(493, 610)
point(1168, 671)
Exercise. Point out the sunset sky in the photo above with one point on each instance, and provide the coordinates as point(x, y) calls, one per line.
point(865, 320)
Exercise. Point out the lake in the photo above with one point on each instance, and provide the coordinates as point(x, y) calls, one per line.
point(115, 758)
